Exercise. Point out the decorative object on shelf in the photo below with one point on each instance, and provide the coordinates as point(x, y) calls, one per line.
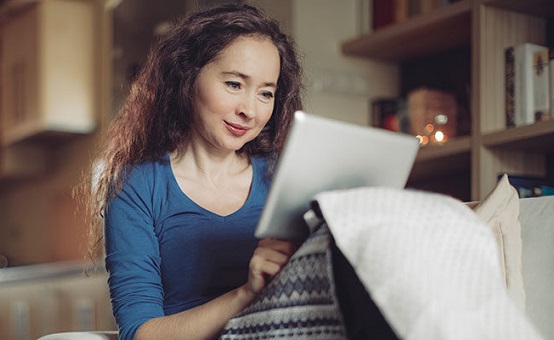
point(417, 7)
point(526, 84)
point(433, 115)
point(390, 114)
point(387, 12)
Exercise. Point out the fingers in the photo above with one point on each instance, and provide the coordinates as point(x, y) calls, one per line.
point(268, 259)
point(284, 247)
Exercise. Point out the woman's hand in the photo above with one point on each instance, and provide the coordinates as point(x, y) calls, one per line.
point(267, 261)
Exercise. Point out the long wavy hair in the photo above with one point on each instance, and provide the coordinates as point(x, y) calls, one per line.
point(156, 117)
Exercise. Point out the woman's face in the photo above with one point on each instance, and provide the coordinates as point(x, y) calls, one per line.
point(234, 94)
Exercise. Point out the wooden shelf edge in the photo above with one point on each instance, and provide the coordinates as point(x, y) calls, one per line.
point(453, 147)
point(540, 8)
point(449, 159)
point(439, 30)
point(534, 136)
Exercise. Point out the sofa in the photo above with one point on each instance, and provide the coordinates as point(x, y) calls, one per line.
point(435, 268)
point(535, 234)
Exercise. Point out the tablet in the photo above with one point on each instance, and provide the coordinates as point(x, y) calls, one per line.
point(322, 154)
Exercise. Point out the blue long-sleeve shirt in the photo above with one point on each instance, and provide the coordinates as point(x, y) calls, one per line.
point(166, 254)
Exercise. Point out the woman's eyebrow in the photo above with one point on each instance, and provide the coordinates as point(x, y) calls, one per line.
point(246, 77)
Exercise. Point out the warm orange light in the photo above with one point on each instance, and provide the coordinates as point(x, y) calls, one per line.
point(423, 140)
point(429, 127)
point(440, 136)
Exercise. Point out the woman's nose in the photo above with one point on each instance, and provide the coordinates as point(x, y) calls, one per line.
point(247, 107)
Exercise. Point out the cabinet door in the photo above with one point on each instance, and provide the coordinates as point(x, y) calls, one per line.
point(49, 64)
point(19, 73)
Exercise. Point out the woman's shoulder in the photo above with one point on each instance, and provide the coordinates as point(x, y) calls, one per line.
point(260, 162)
point(144, 171)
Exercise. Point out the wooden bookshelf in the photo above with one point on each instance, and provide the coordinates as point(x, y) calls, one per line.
point(538, 136)
point(471, 164)
point(431, 33)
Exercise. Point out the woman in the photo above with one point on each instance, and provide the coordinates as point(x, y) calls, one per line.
point(187, 166)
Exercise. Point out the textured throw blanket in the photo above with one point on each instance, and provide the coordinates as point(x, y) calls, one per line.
point(429, 263)
point(300, 303)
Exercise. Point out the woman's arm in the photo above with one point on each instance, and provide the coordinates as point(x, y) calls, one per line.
point(207, 321)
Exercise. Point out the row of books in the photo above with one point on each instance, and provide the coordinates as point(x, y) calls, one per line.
point(528, 186)
point(529, 84)
point(386, 12)
point(429, 114)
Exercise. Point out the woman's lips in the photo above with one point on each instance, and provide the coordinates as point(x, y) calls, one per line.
point(236, 129)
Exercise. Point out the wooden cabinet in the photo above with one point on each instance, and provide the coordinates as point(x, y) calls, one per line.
point(49, 68)
point(468, 166)
point(53, 64)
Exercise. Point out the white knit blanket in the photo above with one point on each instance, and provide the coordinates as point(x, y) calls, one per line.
point(427, 261)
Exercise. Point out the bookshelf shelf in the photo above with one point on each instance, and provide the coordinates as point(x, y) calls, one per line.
point(452, 147)
point(448, 165)
point(541, 8)
point(436, 160)
point(439, 30)
point(538, 136)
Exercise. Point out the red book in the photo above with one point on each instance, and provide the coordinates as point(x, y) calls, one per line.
point(384, 13)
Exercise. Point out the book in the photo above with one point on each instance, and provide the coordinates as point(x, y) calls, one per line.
point(383, 13)
point(400, 10)
point(413, 8)
point(526, 84)
point(530, 186)
point(418, 7)
point(447, 2)
point(365, 16)
point(386, 12)
point(428, 5)
point(541, 84)
point(551, 80)
point(509, 71)
point(389, 114)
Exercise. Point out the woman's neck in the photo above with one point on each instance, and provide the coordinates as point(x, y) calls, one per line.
point(198, 162)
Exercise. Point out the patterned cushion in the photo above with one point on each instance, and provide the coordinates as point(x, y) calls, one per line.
point(299, 303)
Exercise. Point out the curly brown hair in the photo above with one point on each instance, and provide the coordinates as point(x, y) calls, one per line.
point(156, 117)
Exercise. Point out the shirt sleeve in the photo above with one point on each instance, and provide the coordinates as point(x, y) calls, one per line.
point(133, 256)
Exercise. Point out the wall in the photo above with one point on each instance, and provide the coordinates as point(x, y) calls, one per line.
point(337, 86)
point(40, 222)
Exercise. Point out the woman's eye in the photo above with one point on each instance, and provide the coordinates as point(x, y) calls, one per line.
point(233, 84)
point(267, 95)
